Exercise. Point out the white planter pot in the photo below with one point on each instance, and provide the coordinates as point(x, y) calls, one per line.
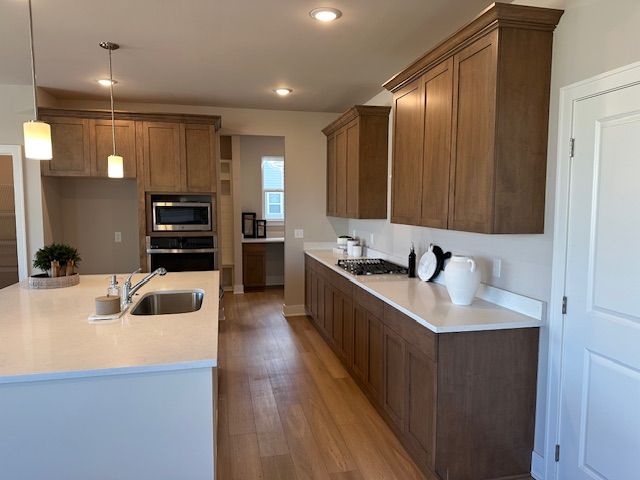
point(462, 278)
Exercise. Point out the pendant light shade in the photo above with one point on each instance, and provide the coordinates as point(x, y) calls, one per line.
point(115, 163)
point(37, 135)
point(37, 140)
point(115, 166)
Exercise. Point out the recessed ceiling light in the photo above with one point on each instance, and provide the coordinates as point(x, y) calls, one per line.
point(105, 82)
point(283, 92)
point(325, 14)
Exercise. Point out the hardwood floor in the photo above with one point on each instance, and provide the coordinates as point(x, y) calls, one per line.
point(287, 407)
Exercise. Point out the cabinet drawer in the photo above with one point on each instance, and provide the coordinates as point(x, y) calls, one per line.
point(414, 333)
point(369, 302)
point(339, 282)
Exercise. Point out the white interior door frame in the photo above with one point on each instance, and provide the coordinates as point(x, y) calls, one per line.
point(569, 95)
point(18, 191)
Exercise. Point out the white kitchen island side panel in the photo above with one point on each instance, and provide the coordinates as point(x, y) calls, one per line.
point(158, 425)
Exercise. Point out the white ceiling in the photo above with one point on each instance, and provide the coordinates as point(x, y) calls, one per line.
point(225, 53)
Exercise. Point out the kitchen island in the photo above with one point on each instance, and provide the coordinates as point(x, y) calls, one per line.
point(127, 398)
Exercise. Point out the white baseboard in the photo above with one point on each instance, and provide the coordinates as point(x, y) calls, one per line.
point(238, 289)
point(293, 310)
point(537, 466)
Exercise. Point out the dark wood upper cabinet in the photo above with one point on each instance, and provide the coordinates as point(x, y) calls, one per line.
point(437, 95)
point(331, 176)
point(71, 144)
point(477, 103)
point(407, 154)
point(357, 163)
point(161, 156)
point(199, 166)
point(102, 146)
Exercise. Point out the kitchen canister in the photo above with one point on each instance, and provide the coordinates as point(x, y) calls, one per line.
point(462, 278)
point(350, 244)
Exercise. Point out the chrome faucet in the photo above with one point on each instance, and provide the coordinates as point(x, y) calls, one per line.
point(128, 291)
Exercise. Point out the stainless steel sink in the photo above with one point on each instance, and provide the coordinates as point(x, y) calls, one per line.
point(163, 303)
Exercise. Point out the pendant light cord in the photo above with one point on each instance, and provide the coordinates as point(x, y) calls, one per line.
point(113, 115)
point(33, 64)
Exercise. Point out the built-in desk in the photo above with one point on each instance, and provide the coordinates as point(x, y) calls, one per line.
point(262, 262)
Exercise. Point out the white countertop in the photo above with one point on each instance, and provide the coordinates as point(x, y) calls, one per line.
point(44, 334)
point(428, 303)
point(264, 240)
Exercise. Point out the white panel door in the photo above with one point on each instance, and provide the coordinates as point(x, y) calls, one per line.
point(600, 401)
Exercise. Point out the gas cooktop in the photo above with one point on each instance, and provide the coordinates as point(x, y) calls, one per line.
point(371, 266)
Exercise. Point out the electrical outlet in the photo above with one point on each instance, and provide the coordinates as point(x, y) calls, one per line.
point(354, 234)
point(497, 267)
point(298, 233)
point(118, 237)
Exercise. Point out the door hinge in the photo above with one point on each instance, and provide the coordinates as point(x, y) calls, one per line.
point(572, 147)
point(564, 305)
point(557, 453)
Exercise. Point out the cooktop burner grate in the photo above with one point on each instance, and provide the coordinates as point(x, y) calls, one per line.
point(371, 266)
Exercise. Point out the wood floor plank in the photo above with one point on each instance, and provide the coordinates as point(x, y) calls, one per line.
point(278, 467)
point(245, 458)
point(287, 407)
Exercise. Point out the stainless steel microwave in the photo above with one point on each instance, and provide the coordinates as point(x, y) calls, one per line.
point(182, 216)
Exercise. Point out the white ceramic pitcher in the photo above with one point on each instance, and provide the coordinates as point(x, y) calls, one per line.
point(462, 278)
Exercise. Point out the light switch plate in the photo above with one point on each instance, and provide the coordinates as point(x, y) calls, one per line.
point(118, 237)
point(298, 233)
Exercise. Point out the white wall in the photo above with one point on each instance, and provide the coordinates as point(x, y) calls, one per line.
point(305, 183)
point(16, 107)
point(593, 36)
point(86, 213)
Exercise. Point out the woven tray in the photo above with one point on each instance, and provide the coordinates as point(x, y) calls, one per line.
point(56, 282)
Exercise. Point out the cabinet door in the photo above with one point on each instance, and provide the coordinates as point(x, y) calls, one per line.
point(71, 144)
point(314, 295)
point(253, 265)
point(353, 159)
point(420, 417)
point(102, 146)
point(375, 361)
point(347, 330)
point(437, 85)
point(162, 154)
point(341, 173)
point(321, 287)
point(328, 310)
point(336, 330)
point(406, 186)
point(394, 371)
point(331, 175)
point(472, 173)
point(199, 165)
point(307, 288)
point(360, 342)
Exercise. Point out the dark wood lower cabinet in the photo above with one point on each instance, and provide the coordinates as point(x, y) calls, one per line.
point(462, 404)
point(254, 270)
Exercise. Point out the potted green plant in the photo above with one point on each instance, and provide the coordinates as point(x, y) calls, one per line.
point(57, 260)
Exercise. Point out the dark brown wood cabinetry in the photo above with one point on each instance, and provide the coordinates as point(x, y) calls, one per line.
point(171, 153)
point(71, 144)
point(357, 163)
point(161, 156)
point(254, 265)
point(102, 146)
point(471, 120)
point(462, 404)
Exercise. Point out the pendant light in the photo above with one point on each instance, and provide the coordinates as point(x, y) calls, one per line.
point(37, 135)
point(115, 163)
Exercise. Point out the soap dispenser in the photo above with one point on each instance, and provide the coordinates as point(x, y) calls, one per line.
point(114, 289)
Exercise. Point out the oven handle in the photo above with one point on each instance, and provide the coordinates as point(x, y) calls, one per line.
point(152, 251)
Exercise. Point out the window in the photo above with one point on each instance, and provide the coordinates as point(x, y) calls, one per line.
point(273, 188)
